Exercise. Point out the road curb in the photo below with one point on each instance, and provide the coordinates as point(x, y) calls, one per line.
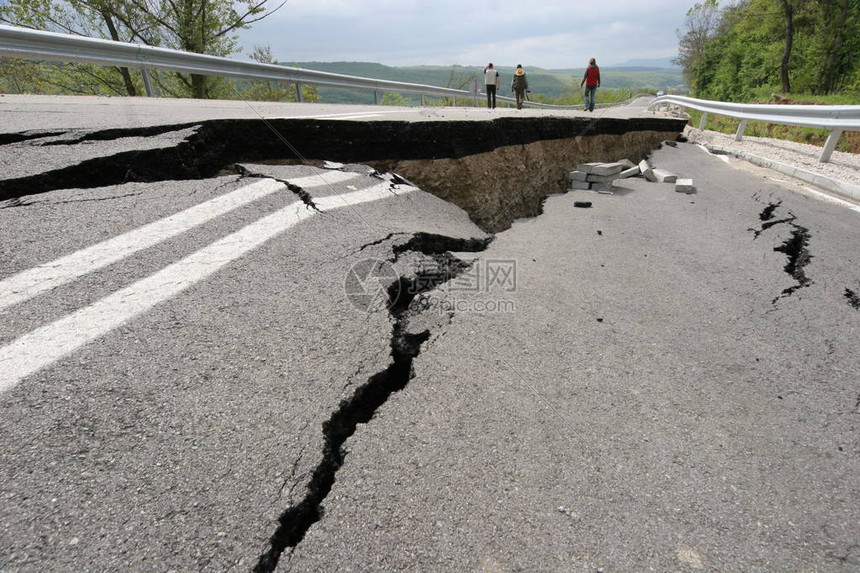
point(833, 185)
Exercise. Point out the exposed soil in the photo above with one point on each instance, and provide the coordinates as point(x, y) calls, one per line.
point(511, 182)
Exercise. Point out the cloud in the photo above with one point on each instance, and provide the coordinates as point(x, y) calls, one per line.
point(561, 34)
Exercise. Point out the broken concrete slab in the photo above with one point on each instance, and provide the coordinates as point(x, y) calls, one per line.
point(607, 169)
point(684, 186)
point(632, 172)
point(601, 186)
point(646, 170)
point(664, 176)
point(601, 178)
point(580, 185)
point(578, 175)
point(587, 167)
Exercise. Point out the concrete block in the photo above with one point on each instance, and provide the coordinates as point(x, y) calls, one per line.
point(626, 163)
point(601, 186)
point(586, 167)
point(684, 186)
point(580, 185)
point(646, 171)
point(578, 175)
point(601, 178)
point(664, 176)
point(632, 172)
point(608, 169)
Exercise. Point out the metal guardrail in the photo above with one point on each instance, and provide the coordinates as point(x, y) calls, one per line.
point(835, 118)
point(50, 46)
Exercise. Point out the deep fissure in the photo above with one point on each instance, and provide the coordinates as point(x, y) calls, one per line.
point(767, 212)
point(297, 190)
point(795, 248)
point(853, 298)
point(767, 218)
point(360, 408)
point(118, 133)
point(216, 146)
point(9, 138)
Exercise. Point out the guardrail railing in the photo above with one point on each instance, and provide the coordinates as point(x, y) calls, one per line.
point(53, 47)
point(835, 118)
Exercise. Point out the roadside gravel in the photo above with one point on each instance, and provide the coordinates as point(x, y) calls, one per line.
point(842, 167)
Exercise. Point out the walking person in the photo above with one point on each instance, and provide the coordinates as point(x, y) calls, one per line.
point(491, 79)
point(591, 79)
point(519, 85)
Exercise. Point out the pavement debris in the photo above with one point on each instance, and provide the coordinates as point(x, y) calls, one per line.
point(684, 186)
point(599, 176)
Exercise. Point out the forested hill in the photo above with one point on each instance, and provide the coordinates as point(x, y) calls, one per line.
point(549, 83)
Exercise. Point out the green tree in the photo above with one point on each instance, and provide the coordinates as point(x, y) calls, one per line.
point(751, 47)
point(199, 26)
point(275, 90)
point(393, 98)
point(839, 43)
point(701, 26)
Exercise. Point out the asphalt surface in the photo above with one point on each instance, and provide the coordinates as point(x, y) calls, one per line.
point(658, 381)
point(654, 397)
point(23, 113)
point(174, 440)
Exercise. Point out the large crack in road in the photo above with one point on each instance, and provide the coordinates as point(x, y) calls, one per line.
point(360, 408)
point(795, 247)
point(497, 171)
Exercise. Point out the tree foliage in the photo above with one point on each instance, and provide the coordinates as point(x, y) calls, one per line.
point(747, 48)
point(199, 26)
point(275, 90)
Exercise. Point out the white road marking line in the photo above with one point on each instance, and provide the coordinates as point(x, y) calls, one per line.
point(29, 283)
point(47, 344)
point(831, 199)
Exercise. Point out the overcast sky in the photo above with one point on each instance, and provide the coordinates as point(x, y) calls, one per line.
point(549, 34)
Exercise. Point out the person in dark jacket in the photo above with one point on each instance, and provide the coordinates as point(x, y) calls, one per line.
point(591, 79)
point(520, 85)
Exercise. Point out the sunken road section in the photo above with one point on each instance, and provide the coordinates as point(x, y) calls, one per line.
point(496, 170)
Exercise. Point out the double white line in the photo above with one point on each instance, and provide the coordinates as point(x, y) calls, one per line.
point(47, 344)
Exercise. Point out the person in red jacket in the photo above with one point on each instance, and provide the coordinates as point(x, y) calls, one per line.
point(591, 79)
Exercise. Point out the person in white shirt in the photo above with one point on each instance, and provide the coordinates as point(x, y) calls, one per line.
point(491, 81)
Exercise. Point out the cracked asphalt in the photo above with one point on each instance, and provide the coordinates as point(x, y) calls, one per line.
point(660, 381)
point(652, 400)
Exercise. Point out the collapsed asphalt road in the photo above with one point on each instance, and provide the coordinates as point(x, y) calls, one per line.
point(151, 424)
point(334, 370)
point(666, 382)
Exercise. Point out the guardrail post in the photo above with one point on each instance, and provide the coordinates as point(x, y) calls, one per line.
point(299, 97)
point(475, 91)
point(422, 100)
point(830, 145)
point(375, 97)
point(740, 133)
point(703, 122)
point(147, 83)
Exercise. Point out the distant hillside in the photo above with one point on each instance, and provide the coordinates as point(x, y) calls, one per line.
point(551, 83)
point(648, 63)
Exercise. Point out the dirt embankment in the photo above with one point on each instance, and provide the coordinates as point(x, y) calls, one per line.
point(496, 187)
